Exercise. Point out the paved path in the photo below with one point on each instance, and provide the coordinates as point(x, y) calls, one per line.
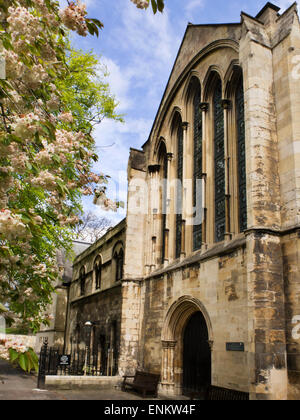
point(16, 385)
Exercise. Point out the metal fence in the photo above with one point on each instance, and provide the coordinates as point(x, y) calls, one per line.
point(87, 362)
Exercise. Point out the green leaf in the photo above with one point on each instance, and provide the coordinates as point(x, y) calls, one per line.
point(23, 362)
point(33, 360)
point(28, 165)
point(29, 362)
point(56, 159)
point(154, 6)
point(2, 308)
point(13, 355)
point(160, 5)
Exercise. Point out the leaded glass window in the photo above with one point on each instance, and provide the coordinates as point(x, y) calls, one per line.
point(82, 281)
point(119, 258)
point(98, 273)
point(198, 136)
point(219, 163)
point(179, 190)
point(164, 205)
point(240, 114)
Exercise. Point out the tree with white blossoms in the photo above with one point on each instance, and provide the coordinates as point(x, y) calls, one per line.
point(45, 160)
point(157, 5)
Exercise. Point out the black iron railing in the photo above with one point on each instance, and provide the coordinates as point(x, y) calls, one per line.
point(87, 362)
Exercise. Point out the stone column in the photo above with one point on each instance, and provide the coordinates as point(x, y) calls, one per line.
point(154, 200)
point(226, 104)
point(265, 285)
point(130, 327)
point(166, 236)
point(168, 215)
point(167, 382)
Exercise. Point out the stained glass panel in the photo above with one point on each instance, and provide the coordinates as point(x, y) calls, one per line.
point(179, 190)
point(240, 113)
point(164, 205)
point(198, 137)
point(219, 164)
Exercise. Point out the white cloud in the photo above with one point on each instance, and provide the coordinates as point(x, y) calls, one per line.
point(119, 84)
point(284, 4)
point(139, 55)
point(150, 45)
point(193, 6)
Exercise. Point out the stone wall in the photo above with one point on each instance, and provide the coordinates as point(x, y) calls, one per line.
point(102, 307)
point(217, 282)
point(247, 291)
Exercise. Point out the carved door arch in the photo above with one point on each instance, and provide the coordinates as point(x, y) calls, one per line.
point(176, 320)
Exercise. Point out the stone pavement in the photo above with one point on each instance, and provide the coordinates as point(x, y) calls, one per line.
point(16, 385)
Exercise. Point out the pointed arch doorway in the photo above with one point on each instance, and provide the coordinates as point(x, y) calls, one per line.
point(196, 355)
point(187, 341)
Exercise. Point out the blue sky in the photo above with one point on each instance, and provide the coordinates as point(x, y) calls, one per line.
point(139, 50)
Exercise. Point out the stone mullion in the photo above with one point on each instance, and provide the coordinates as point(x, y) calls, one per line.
point(226, 104)
point(185, 126)
point(150, 225)
point(168, 215)
point(154, 170)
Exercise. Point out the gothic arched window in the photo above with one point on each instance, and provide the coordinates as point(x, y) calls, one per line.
point(82, 281)
point(198, 137)
point(163, 161)
point(98, 273)
point(241, 155)
point(219, 162)
point(119, 258)
point(179, 190)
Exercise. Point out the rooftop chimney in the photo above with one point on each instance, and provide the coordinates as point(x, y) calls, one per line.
point(268, 14)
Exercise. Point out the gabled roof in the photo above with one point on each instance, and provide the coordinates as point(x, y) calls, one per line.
point(196, 38)
point(267, 6)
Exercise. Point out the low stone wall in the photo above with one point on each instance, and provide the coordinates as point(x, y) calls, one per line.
point(81, 382)
point(26, 340)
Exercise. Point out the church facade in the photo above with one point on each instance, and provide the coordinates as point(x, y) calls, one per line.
point(208, 287)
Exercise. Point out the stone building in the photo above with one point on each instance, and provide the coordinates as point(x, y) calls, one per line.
point(95, 297)
point(210, 287)
point(55, 333)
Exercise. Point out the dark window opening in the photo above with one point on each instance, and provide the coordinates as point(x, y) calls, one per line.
point(82, 281)
point(219, 158)
point(241, 152)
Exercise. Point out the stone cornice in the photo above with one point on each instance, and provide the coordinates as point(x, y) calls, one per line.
point(222, 249)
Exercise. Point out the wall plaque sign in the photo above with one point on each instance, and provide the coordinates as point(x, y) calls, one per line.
point(235, 347)
point(64, 360)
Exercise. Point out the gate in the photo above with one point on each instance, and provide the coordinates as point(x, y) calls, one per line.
point(87, 362)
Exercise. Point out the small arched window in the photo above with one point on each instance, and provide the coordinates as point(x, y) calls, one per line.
point(119, 258)
point(98, 273)
point(82, 281)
